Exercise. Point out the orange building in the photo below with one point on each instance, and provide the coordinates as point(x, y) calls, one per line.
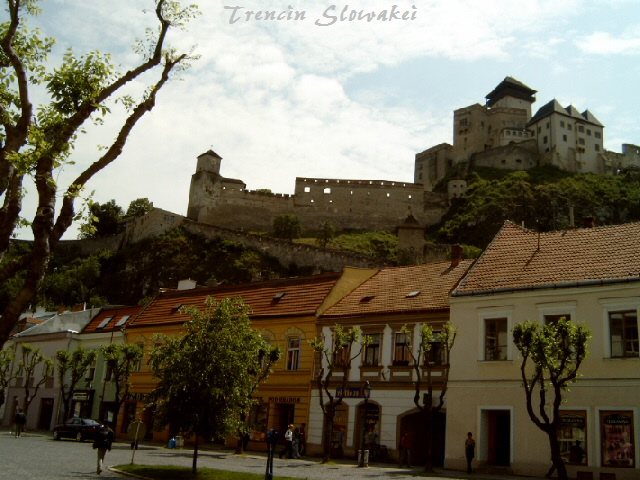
point(284, 311)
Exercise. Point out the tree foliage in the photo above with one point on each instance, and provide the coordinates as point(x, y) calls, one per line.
point(139, 208)
point(336, 354)
point(541, 199)
point(32, 361)
point(432, 354)
point(551, 356)
point(286, 227)
point(71, 367)
point(6, 372)
point(207, 376)
point(104, 220)
point(122, 360)
point(36, 141)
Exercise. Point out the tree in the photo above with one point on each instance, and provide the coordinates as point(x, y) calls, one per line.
point(139, 207)
point(551, 356)
point(433, 353)
point(206, 377)
point(336, 356)
point(36, 141)
point(122, 360)
point(327, 232)
point(286, 227)
point(30, 359)
point(6, 372)
point(104, 220)
point(71, 368)
point(267, 357)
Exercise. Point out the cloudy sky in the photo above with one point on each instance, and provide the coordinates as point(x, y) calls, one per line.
point(323, 96)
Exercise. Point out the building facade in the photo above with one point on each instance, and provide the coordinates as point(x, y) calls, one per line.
point(588, 275)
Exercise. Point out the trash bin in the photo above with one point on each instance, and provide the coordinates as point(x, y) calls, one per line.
point(179, 441)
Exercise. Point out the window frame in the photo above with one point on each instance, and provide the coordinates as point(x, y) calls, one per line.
point(616, 305)
point(293, 353)
point(404, 359)
point(506, 313)
point(369, 348)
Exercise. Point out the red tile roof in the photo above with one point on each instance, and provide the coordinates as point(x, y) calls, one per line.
point(416, 288)
point(276, 298)
point(521, 259)
point(111, 319)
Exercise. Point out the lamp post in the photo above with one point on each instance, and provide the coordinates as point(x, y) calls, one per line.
point(362, 461)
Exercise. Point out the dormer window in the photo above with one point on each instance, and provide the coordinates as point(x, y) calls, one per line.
point(278, 296)
point(413, 294)
point(367, 298)
point(104, 323)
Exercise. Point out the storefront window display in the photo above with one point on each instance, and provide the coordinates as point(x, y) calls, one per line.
point(618, 449)
point(572, 436)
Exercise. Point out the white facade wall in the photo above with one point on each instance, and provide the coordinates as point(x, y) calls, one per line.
point(477, 386)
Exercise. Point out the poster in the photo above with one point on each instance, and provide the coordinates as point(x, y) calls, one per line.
point(617, 439)
point(572, 436)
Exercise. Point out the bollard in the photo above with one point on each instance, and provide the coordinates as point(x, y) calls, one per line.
point(365, 460)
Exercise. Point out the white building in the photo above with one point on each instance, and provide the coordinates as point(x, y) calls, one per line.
point(590, 275)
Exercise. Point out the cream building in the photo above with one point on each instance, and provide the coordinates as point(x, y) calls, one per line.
point(590, 275)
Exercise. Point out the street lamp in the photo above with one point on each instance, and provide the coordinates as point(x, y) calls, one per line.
point(366, 392)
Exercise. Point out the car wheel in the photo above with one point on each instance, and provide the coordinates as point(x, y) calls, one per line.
point(56, 435)
point(79, 437)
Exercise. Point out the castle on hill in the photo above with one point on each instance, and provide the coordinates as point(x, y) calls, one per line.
point(502, 133)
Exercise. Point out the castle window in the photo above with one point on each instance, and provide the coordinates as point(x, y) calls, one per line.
point(388, 195)
point(351, 192)
point(326, 190)
point(330, 201)
point(545, 139)
point(588, 131)
point(409, 197)
point(312, 200)
point(564, 138)
point(581, 128)
point(569, 126)
point(307, 189)
point(597, 147)
point(581, 141)
point(561, 123)
point(597, 134)
point(539, 129)
point(547, 125)
point(518, 160)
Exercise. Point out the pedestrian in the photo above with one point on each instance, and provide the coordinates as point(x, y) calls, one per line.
point(20, 420)
point(295, 445)
point(469, 450)
point(302, 447)
point(406, 444)
point(288, 442)
point(102, 442)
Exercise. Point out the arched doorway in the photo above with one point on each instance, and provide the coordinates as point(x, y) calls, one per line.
point(417, 425)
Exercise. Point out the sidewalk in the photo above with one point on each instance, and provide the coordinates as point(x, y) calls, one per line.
point(308, 468)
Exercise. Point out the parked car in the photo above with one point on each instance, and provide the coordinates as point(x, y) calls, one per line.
point(79, 428)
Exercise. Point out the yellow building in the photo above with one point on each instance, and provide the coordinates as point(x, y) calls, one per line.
point(284, 311)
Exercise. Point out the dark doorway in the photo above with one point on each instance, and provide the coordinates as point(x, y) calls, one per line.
point(285, 413)
point(498, 437)
point(46, 414)
point(418, 426)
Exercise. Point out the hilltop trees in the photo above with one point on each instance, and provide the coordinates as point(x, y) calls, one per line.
point(551, 356)
point(36, 141)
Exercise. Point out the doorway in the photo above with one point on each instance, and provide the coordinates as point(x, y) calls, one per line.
point(46, 414)
point(417, 425)
point(496, 437)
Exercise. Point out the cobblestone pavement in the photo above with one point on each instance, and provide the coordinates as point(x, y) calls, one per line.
point(38, 456)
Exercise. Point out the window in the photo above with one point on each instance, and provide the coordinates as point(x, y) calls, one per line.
point(495, 339)
point(572, 435)
point(581, 141)
point(597, 147)
point(561, 123)
point(435, 355)
point(104, 323)
point(580, 128)
point(569, 127)
point(616, 433)
point(91, 372)
point(401, 349)
point(588, 132)
point(341, 357)
point(307, 189)
point(597, 134)
point(564, 138)
point(326, 190)
point(372, 351)
point(545, 140)
point(623, 331)
point(293, 353)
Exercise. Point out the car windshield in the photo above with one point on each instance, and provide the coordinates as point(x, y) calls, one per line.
point(90, 422)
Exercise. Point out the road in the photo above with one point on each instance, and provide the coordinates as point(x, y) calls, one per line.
point(38, 456)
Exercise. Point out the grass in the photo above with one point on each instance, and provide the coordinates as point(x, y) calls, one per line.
point(159, 472)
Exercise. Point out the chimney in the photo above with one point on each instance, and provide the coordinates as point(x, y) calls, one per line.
point(588, 222)
point(456, 255)
point(186, 284)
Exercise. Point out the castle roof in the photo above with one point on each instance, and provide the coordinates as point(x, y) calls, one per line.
point(210, 152)
point(554, 107)
point(275, 298)
point(522, 259)
point(412, 289)
point(512, 88)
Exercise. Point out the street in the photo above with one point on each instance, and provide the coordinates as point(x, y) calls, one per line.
point(38, 456)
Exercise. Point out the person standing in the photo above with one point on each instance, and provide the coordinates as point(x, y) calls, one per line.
point(469, 450)
point(102, 442)
point(406, 443)
point(20, 420)
point(288, 441)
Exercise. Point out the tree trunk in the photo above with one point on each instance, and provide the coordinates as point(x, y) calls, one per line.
point(328, 435)
point(428, 419)
point(556, 459)
point(194, 465)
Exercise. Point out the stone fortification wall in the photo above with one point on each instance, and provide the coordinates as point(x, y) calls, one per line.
point(514, 156)
point(287, 253)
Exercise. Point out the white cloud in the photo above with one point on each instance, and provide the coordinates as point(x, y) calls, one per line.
point(604, 43)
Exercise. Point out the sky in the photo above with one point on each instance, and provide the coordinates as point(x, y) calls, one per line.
point(317, 94)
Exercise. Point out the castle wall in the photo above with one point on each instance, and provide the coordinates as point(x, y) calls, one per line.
point(514, 156)
point(432, 165)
